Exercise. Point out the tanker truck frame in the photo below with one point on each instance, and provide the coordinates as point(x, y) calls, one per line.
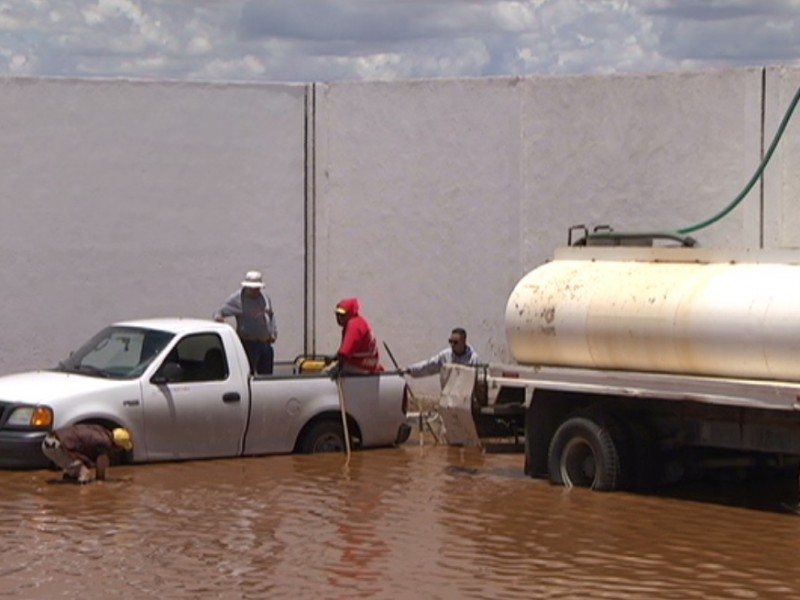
point(635, 367)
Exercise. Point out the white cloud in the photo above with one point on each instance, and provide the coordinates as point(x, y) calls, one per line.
point(247, 67)
point(18, 64)
point(199, 45)
point(516, 16)
point(324, 40)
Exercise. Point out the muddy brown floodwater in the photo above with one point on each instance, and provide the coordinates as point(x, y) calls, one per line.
point(410, 522)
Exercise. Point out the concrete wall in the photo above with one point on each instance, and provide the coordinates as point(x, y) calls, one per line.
point(418, 198)
point(123, 200)
point(427, 199)
point(435, 197)
point(782, 177)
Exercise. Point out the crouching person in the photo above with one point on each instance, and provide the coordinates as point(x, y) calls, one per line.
point(78, 449)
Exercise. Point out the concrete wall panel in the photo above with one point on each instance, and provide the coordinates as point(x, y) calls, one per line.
point(124, 200)
point(782, 174)
point(417, 194)
point(435, 197)
point(640, 153)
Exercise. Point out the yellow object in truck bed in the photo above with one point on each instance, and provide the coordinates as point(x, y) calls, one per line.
point(312, 364)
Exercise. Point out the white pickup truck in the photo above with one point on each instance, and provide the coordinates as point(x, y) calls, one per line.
point(183, 389)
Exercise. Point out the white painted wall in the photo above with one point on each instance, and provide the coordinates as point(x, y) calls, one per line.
point(427, 199)
point(435, 197)
point(641, 153)
point(124, 200)
point(418, 195)
point(782, 176)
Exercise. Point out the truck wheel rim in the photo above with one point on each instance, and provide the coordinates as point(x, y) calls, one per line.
point(329, 443)
point(578, 464)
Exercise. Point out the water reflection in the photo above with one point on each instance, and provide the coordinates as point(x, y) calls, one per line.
point(431, 522)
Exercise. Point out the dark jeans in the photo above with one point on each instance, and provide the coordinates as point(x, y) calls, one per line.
point(260, 355)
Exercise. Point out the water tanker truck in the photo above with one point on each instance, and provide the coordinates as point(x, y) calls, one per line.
point(637, 362)
point(635, 366)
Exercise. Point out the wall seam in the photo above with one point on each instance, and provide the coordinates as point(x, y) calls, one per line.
point(523, 186)
point(309, 225)
point(761, 205)
point(314, 218)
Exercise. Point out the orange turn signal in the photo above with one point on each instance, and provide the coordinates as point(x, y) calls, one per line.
point(42, 417)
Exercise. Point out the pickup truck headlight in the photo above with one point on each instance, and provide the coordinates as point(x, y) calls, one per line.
point(40, 417)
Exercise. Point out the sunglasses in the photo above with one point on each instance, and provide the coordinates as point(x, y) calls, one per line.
point(454, 342)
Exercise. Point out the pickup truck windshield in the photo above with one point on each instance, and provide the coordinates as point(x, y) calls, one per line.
point(117, 353)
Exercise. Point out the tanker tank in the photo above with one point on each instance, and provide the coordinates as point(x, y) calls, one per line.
point(662, 309)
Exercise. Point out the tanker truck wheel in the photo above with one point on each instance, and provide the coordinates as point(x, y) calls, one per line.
point(582, 453)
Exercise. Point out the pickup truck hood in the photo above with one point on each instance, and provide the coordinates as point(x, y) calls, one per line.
point(43, 387)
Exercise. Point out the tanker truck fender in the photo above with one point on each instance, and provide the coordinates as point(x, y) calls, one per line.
point(543, 416)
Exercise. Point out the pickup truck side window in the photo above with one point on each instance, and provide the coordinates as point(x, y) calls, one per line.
point(202, 358)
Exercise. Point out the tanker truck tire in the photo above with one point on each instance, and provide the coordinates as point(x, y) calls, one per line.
point(582, 453)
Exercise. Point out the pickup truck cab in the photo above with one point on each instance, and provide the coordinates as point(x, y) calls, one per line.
point(182, 387)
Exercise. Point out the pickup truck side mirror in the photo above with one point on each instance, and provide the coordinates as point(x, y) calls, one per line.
point(169, 373)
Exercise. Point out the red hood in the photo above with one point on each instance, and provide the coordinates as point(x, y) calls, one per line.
point(351, 305)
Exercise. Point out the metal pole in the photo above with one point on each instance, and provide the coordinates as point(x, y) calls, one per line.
point(411, 394)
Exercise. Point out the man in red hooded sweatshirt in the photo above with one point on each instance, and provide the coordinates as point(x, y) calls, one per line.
point(358, 352)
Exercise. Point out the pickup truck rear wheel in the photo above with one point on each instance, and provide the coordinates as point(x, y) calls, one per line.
point(325, 436)
point(582, 453)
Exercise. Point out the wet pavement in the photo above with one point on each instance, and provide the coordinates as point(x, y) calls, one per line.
point(410, 522)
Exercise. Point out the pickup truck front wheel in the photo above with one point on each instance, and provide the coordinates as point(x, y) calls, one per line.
point(325, 436)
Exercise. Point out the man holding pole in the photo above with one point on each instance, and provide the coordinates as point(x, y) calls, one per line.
point(358, 351)
point(459, 352)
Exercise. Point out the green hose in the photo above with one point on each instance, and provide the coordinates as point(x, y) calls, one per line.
point(756, 176)
point(736, 201)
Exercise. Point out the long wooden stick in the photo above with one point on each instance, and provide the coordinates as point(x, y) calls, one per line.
point(343, 407)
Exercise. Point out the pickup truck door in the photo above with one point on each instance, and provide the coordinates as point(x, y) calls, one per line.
point(204, 414)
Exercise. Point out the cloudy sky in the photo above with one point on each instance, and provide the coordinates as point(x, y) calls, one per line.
point(331, 40)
